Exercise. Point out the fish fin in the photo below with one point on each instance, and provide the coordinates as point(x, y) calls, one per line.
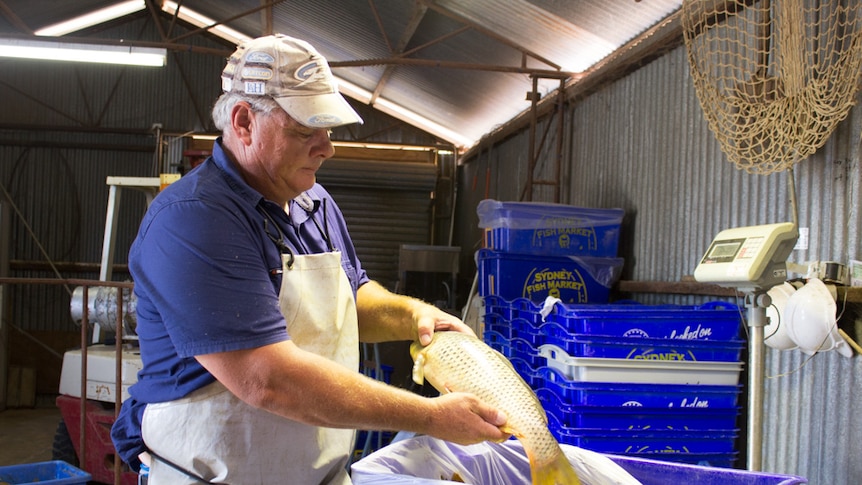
point(555, 472)
point(511, 431)
point(419, 369)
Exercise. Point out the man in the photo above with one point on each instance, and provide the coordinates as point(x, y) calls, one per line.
point(251, 301)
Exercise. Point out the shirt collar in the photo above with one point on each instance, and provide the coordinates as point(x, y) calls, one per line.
point(299, 209)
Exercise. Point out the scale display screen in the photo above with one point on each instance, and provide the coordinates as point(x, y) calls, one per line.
point(723, 251)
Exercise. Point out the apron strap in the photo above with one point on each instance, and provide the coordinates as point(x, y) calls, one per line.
point(178, 468)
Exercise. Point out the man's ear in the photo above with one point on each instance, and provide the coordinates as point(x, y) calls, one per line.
point(242, 120)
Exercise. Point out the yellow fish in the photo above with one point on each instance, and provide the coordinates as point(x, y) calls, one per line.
point(457, 362)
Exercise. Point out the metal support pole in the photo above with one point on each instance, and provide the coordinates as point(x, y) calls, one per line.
point(5, 238)
point(756, 303)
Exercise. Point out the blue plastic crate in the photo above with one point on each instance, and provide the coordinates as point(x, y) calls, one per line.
point(43, 473)
point(497, 307)
point(636, 417)
point(711, 321)
point(515, 328)
point(497, 324)
point(527, 372)
point(500, 309)
point(514, 348)
point(715, 320)
point(528, 331)
point(645, 442)
point(613, 394)
point(572, 279)
point(550, 229)
point(641, 348)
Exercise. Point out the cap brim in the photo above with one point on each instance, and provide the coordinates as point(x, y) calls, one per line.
point(319, 111)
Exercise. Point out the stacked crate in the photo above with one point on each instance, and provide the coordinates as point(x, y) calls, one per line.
point(652, 381)
point(534, 250)
point(655, 381)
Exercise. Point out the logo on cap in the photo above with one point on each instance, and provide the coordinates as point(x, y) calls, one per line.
point(255, 87)
point(323, 120)
point(259, 57)
point(256, 73)
point(310, 70)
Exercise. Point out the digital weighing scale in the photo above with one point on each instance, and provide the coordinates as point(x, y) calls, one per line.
point(751, 259)
point(748, 258)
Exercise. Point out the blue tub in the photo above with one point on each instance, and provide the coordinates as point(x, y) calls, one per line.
point(43, 473)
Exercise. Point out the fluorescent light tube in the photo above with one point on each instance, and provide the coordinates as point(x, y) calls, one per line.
point(72, 52)
point(399, 112)
point(93, 18)
point(201, 21)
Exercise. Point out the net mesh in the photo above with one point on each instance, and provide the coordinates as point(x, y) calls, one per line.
point(775, 77)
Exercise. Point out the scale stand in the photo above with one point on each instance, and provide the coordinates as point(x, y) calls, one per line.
point(756, 302)
point(752, 260)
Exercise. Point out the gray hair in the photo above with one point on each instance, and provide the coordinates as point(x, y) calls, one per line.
point(226, 102)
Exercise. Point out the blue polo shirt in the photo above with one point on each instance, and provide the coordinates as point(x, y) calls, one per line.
point(206, 269)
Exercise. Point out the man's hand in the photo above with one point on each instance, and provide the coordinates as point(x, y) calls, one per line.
point(430, 319)
point(462, 418)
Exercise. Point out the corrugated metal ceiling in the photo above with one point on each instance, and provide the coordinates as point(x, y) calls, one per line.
point(464, 65)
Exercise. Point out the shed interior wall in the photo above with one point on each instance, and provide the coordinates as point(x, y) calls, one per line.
point(641, 143)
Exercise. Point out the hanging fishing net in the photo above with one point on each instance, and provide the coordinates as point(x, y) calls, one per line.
point(775, 77)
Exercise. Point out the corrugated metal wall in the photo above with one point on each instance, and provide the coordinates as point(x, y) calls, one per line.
point(61, 199)
point(79, 124)
point(641, 143)
point(386, 204)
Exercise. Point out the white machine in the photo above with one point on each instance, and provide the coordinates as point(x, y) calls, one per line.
point(101, 306)
point(748, 258)
point(751, 259)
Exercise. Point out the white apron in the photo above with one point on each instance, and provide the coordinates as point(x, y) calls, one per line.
point(219, 438)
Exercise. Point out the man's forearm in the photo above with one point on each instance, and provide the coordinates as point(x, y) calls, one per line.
point(385, 316)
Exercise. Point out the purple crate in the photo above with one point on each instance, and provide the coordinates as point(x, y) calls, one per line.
point(719, 460)
point(685, 468)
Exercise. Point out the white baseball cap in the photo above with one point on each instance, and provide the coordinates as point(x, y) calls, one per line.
point(294, 74)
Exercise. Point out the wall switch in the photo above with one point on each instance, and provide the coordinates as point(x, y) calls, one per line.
point(802, 242)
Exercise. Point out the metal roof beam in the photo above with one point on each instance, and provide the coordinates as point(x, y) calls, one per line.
point(499, 38)
point(225, 21)
point(14, 19)
point(543, 73)
point(419, 11)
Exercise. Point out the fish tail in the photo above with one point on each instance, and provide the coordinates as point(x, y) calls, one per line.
point(555, 472)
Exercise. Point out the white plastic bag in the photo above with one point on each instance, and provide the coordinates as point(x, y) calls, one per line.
point(424, 461)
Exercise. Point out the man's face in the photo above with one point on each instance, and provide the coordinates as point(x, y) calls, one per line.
point(290, 153)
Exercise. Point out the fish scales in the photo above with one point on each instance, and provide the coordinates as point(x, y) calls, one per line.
point(457, 362)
